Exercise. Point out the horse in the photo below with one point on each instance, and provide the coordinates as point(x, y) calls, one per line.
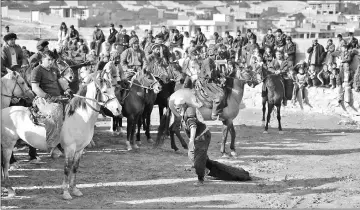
point(13, 86)
point(76, 133)
point(234, 92)
point(273, 95)
point(134, 103)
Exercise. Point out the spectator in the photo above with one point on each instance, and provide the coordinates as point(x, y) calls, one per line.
point(344, 83)
point(7, 30)
point(341, 42)
point(334, 73)
point(63, 35)
point(186, 40)
point(171, 38)
point(177, 40)
point(83, 49)
point(74, 38)
point(299, 84)
point(316, 55)
point(218, 39)
point(250, 35)
point(163, 34)
point(268, 55)
point(330, 48)
point(112, 36)
point(312, 79)
point(228, 40)
point(191, 48)
point(133, 34)
point(98, 39)
point(12, 54)
point(324, 76)
point(238, 44)
point(280, 40)
point(123, 40)
point(147, 41)
point(346, 55)
point(249, 49)
point(353, 42)
point(200, 38)
point(290, 51)
point(104, 59)
point(269, 40)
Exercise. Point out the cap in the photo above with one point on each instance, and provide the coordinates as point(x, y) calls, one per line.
point(9, 36)
point(111, 25)
point(72, 26)
point(41, 45)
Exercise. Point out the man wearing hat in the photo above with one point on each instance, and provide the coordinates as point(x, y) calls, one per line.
point(122, 39)
point(155, 56)
point(133, 59)
point(112, 37)
point(12, 53)
point(41, 46)
point(98, 39)
point(164, 50)
point(74, 38)
point(147, 41)
point(290, 51)
point(280, 40)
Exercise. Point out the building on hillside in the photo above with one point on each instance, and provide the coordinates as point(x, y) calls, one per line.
point(74, 9)
point(325, 7)
point(352, 17)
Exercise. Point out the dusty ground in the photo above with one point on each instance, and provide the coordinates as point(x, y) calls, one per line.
point(314, 164)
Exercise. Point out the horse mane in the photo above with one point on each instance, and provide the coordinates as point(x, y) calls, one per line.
point(77, 102)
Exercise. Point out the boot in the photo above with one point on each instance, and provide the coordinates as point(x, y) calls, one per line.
point(217, 110)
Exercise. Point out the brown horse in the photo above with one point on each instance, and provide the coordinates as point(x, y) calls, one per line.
point(234, 93)
point(135, 101)
point(272, 94)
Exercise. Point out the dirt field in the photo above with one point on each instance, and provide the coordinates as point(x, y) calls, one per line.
point(314, 164)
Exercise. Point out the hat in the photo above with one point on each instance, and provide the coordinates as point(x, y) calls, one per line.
point(123, 30)
point(278, 30)
point(111, 25)
point(9, 36)
point(7, 27)
point(72, 26)
point(133, 41)
point(159, 40)
point(41, 45)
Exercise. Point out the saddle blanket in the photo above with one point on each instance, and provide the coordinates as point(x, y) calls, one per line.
point(207, 93)
point(50, 116)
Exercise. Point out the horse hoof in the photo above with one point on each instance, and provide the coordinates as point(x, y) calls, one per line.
point(224, 155)
point(233, 153)
point(136, 146)
point(35, 161)
point(14, 166)
point(67, 196)
point(265, 132)
point(138, 143)
point(77, 192)
point(150, 141)
point(129, 148)
point(281, 132)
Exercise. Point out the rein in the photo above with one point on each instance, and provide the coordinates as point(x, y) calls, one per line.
point(12, 92)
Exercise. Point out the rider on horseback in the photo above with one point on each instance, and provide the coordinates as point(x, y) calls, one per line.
point(49, 101)
point(12, 54)
point(41, 46)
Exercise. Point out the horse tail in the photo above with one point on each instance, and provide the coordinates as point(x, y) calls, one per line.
point(163, 128)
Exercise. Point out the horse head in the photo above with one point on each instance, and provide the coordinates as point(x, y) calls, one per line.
point(17, 85)
point(148, 81)
point(65, 69)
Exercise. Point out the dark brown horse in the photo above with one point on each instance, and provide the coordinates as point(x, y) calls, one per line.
point(272, 94)
point(135, 101)
point(234, 93)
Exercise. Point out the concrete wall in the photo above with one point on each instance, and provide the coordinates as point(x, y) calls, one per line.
point(322, 100)
point(16, 14)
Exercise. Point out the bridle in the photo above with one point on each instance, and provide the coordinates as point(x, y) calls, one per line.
point(13, 89)
point(100, 103)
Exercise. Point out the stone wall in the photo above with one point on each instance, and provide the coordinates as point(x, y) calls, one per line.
point(321, 100)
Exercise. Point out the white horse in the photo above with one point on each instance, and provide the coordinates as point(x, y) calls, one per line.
point(76, 132)
point(14, 87)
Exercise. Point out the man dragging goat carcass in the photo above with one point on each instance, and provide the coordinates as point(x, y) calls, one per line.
point(199, 139)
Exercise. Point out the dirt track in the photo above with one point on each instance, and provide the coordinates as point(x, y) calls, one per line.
point(314, 164)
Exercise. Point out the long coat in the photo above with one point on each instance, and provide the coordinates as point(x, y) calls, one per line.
point(319, 54)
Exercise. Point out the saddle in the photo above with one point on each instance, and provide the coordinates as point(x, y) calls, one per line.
point(206, 93)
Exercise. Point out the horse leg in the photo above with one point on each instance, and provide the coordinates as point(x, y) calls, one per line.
point(172, 140)
point(129, 133)
point(69, 161)
point(120, 126)
point(133, 129)
point(224, 138)
point(233, 136)
point(138, 134)
point(263, 108)
point(148, 123)
point(7, 183)
point(270, 109)
point(279, 119)
point(75, 191)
